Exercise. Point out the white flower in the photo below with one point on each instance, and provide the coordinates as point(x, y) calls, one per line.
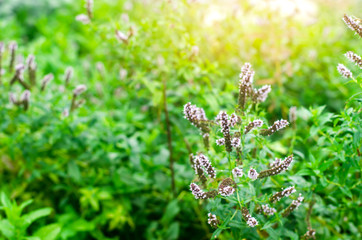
point(252, 222)
point(220, 141)
point(344, 71)
point(235, 142)
point(226, 191)
point(82, 18)
point(79, 89)
point(237, 172)
point(268, 210)
point(253, 174)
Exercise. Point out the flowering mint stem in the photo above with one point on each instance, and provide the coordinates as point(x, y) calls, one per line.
point(230, 167)
point(232, 176)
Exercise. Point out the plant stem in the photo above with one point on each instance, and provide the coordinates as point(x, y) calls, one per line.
point(169, 138)
point(232, 176)
point(309, 213)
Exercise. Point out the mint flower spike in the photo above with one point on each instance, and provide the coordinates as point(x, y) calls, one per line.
point(245, 84)
point(13, 99)
point(201, 161)
point(294, 205)
point(352, 24)
point(252, 222)
point(344, 71)
point(278, 125)
point(225, 124)
point(268, 210)
point(199, 194)
point(285, 193)
point(79, 89)
point(13, 46)
point(199, 171)
point(89, 7)
point(68, 75)
point(351, 56)
point(212, 220)
point(47, 78)
point(220, 142)
point(234, 119)
point(278, 168)
point(235, 142)
point(30, 62)
point(261, 94)
point(226, 187)
point(253, 174)
point(310, 234)
point(25, 99)
point(237, 172)
point(197, 117)
point(253, 124)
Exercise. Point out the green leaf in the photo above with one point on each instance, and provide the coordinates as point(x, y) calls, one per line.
point(173, 231)
point(305, 172)
point(267, 225)
point(32, 238)
point(292, 235)
point(7, 229)
point(221, 227)
point(25, 204)
point(33, 216)
point(346, 191)
point(5, 201)
point(49, 232)
point(172, 210)
point(73, 171)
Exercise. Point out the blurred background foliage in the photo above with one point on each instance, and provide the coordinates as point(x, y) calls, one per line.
point(104, 170)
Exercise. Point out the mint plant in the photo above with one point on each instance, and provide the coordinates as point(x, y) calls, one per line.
point(15, 224)
point(236, 198)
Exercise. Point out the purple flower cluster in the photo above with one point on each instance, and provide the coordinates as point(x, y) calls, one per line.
point(225, 125)
point(294, 205)
point(253, 174)
point(279, 124)
point(285, 193)
point(237, 172)
point(252, 222)
point(277, 168)
point(253, 124)
point(212, 220)
point(354, 58)
point(197, 192)
point(353, 24)
point(268, 210)
point(202, 161)
point(344, 71)
point(261, 94)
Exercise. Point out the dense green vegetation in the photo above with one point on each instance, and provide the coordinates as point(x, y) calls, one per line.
point(116, 165)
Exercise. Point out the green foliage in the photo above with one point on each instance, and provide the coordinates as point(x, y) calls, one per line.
point(104, 170)
point(15, 224)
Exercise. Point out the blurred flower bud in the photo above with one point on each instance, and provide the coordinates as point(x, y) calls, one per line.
point(125, 17)
point(25, 97)
point(82, 18)
point(68, 75)
point(122, 74)
point(121, 36)
point(344, 71)
point(12, 98)
point(293, 114)
point(47, 78)
point(79, 89)
point(195, 51)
